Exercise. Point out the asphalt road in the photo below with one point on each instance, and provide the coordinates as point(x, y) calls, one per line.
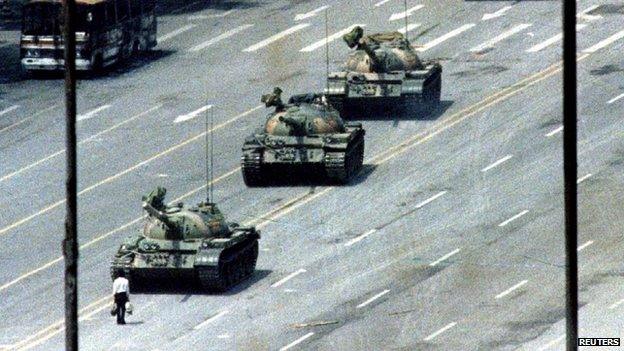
point(450, 239)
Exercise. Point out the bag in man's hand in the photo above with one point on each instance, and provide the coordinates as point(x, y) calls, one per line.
point(128, 307)
point(113, 310)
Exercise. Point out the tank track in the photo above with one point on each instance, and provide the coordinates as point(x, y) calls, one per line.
point(252, 169)
point(234, 268)
point(341, 166)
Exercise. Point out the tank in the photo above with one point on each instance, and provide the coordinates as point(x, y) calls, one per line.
point(383, 71)
point(307, 134)
point(189, 243)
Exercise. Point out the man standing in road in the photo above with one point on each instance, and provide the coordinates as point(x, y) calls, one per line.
point(121, 295)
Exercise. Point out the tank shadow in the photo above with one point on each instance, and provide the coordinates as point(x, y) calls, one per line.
point(188, 287)
point(172, 7)
point(426, 112)
point(135, 322)
point(303, 176)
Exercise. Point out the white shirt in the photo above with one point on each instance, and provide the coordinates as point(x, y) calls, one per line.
point(120, 285)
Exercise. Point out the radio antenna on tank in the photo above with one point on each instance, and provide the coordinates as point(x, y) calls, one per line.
point(209, 151)
point(326, 50)
point(406, 26)
point(212, 156)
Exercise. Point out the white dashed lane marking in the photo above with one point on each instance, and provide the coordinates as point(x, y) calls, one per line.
point(219, 38)
point(550, 41)
point(301, 16)
point(372, 299)
point(445, 37)
point(276, 37)
point(444, 258)
point(440, 331)
point(497, 163)
point(604, 43)
point(9, 109)
point(409, 12)
point(497, 39)
point(297, 342)
point(329, 39)
point(189, 116)
point(287, 278)
point(175, 33)
point(510, 290)
point(513, 218)
point(92, 113)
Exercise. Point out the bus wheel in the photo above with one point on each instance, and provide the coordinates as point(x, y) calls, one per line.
point(97, 66)
point(136, 48)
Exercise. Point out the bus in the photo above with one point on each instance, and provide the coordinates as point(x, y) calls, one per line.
point(107, 31)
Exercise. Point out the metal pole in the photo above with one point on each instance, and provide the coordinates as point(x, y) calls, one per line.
point(70, 244)
point(570, 171)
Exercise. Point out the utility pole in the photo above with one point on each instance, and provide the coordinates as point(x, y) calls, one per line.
point(70, 243)
point(570, 171)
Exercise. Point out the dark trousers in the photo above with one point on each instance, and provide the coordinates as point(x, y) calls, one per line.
point(120, 300)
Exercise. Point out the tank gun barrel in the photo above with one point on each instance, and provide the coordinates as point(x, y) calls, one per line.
point(158, 214)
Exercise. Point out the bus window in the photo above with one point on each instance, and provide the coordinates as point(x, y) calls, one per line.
point(122, 10)
point(111, 14)
point(135, 8)
point(42, 19)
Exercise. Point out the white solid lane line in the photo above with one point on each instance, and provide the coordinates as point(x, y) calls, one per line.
point(583, 178)
point(410, 27)
point(506, 34)
point(360, 238)
point(422, 204)
point(445, 37)
point(381, 3)
point(510, 290)
point(440, 331)
point(497, 163)
point(329, 39)
point(580, 248)
point(615, 99)
point(218, 38)
point(92, 113)
point(402, 15)
point(552, 40)
point(188, 116)
point(554, 131)
point(296, 342)
point(175, 33)
point(513, 218)
point(312, 13)
point(9, 109)
point(583, 15)
point(276, 37)
point(552, 343)
point(444, 258)
point(369, 301)
point(211, 319)
point(92, 137)
point(287, 278)
point(496, 14)
point(615, 305)
point(604, 43)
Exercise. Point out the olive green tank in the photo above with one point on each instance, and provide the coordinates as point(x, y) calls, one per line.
point(191, 243)
point(384, 70)
point(305, 134)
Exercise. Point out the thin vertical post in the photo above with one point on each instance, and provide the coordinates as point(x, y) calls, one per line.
point(570, 171)
point(70, 243)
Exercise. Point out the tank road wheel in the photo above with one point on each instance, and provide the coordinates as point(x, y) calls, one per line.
point(335, 167)
point(251, 165)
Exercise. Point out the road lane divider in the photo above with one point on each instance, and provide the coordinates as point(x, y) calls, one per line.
point(584, 246)
point(191, 115)
point(297, 342)
point(288, 277)
point(330, 38)
point(211, 319)
point(410, 27)
point(604, 43)
point(552, 40)
point(497, 163)
point(510, 290)
point(221, 37)
point(276, 37)
point(554, 131)
point(302, 16)
point(407, 13)
point(92, 113)
point(444, 258)
point(584, 178)
point(489, 45)
point(92, 137)
point(128, 170)
point(506, 222)
point(9, 109)
point(24, 120)
point(440, 331)
point(175, 33)
point(372, 299)
point(615, 99)
point(455, 32)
